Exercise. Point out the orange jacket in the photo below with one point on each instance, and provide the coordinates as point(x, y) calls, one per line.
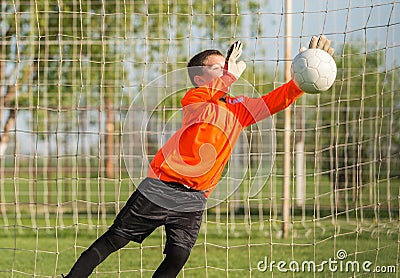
point(197, 153)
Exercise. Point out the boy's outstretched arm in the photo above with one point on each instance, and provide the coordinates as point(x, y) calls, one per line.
point(285, 95)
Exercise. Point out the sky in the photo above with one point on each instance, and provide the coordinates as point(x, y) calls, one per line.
point(373, 23)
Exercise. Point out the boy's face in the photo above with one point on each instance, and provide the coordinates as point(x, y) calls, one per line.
point(214, 66)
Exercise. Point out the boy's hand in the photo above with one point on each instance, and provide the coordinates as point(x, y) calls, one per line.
point(234, 52)
point(321, 43)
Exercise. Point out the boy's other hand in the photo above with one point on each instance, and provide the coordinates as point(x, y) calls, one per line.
point(321, 43)
point(231, 65)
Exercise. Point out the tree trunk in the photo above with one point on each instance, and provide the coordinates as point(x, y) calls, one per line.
point(109, 138)
point(5, 101)
point(6, 135)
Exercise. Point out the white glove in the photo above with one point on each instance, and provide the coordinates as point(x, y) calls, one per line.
point(321, 43)
point(233, 67)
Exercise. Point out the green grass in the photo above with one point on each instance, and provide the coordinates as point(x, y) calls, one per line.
point(222, 249)
point(32, 245)
point(24, 190)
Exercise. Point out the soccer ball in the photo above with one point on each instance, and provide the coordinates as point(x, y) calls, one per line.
point(313, 70)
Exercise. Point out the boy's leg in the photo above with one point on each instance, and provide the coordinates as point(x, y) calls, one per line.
point(108, 243)
point(182, 229)
point(173, 262)
point(137, 219)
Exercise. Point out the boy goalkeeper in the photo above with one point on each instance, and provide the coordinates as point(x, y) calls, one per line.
point(187, 168)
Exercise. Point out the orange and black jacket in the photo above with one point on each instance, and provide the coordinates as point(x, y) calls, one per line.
point(212, 121)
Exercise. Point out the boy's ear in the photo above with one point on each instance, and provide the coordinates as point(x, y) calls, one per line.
point(198, 80)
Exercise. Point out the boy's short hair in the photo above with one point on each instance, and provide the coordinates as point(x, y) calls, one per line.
point(197, 62)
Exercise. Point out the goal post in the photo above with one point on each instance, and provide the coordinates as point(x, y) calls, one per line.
point(315, 183)
point(287, 125)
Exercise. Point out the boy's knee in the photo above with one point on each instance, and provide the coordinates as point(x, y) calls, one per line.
point(175, 259)
point(178, 253)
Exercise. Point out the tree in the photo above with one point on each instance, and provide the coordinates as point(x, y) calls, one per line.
point(15, 72)
point(84, 54)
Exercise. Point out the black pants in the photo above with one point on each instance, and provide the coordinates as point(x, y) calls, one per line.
point(109, 242)
point(139, 218)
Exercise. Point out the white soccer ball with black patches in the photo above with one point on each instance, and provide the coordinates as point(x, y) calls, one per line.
point(313, 70)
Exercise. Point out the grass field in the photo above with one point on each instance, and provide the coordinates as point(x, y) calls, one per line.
point(223, 249)
point(36, 244)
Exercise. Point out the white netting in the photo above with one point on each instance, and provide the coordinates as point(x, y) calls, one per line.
point(69, 71)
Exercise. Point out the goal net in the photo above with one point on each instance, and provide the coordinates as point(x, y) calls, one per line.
point(91, 89)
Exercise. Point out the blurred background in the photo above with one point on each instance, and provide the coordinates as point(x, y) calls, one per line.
point(69, 71)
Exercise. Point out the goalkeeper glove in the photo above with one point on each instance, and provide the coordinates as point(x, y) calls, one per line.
point(231, 65)
point(321, 43)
